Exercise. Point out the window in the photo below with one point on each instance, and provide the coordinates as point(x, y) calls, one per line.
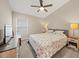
point(21, 25)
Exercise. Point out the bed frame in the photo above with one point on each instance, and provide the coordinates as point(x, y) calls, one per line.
point(33, 51)
point(65, 31)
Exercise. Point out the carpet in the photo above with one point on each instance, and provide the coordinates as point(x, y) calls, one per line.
point(67, 52)
point(10, 45)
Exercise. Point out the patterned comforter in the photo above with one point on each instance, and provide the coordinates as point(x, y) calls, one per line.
point(47, 44)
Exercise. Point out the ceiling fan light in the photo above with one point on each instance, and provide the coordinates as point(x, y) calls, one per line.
point(41, 8)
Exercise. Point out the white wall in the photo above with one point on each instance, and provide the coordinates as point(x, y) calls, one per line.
point(65, 15)
point(60, 19)
point(5, 13)
point(33, 24)
point(5, 16)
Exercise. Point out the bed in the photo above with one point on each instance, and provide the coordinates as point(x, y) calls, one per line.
point(47, 44)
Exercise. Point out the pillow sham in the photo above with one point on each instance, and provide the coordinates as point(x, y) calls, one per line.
point(50, 31)
point(59, 32)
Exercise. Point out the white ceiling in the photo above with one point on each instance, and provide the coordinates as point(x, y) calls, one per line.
point(23, 6)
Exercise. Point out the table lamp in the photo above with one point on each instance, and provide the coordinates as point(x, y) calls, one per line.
point(74, 26)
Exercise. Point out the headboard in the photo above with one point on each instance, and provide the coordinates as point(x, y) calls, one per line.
point(65, 31)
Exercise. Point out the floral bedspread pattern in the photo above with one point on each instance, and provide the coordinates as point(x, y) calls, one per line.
point(47, 44)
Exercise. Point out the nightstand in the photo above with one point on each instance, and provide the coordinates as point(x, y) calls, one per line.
point(73, 41)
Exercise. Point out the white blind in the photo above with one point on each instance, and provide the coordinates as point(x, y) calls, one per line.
point(21, 25)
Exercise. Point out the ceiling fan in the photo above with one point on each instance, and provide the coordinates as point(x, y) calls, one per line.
point(42, 7)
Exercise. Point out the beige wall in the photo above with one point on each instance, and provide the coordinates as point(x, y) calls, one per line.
point(5, 13)
point(33, 24)
point(60, 19)
point(65, 15)
point(5, 16)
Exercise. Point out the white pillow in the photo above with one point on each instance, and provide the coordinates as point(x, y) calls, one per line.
point(50, 31)
point(59, 32)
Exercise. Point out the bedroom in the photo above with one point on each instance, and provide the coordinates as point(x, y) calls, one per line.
point(26, 21)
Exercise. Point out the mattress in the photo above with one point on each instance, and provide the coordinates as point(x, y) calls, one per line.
point(47, 44)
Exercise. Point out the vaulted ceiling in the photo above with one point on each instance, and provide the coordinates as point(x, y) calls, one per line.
point(23, 6)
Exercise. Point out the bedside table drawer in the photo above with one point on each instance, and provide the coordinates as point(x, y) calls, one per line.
point(73, 43)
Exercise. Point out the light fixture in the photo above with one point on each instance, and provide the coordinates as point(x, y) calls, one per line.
point(41, 8)
point(74, 26)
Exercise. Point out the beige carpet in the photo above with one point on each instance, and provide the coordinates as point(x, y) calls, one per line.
point(66, 52)
point(25, 51)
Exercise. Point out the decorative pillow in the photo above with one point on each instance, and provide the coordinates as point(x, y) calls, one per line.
point(50, 31)
point(59, 32)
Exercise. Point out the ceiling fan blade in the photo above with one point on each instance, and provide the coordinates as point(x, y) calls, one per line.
point(41, 2)
point(45, 10)
point(47, 5)
point(34, 6)
point(38, 10)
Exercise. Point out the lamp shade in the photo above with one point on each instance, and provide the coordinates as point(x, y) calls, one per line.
point(74, 26)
